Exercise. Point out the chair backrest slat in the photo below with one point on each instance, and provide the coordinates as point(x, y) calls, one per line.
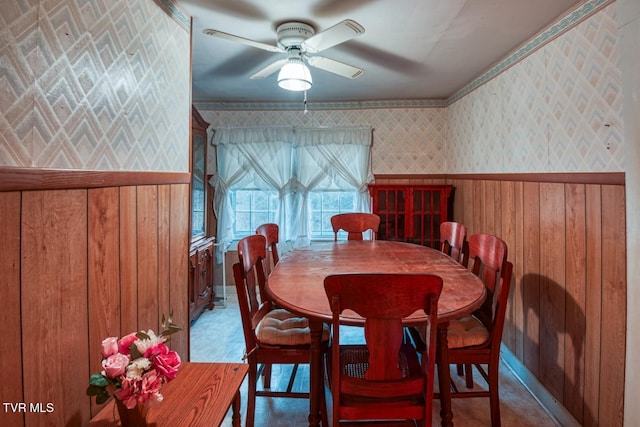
point(250, 281)
point(488, 253)
point(270, 231)
point(453, 237)
point(355, 224)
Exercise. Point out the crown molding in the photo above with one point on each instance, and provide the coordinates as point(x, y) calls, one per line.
point(343, 105)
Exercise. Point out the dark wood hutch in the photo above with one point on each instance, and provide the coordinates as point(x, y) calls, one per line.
point(411, 213)
point(201, 253)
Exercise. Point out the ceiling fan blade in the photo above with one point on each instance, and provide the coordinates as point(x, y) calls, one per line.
point(241, 8)
point(336, 67)
point(339, 33)
point(269, 69)
point(242, 40)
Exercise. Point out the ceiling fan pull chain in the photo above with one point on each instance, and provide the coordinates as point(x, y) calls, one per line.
point(305, 102)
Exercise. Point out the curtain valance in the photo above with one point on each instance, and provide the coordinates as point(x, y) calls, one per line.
point(332, 135)
point(249, 135)
point(298, 136)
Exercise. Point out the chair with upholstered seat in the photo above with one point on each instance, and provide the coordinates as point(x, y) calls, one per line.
point(270, 231)
point(355, 224)
point(383, 379)
point(272, 336)
point(453, 237)
point(475, 340)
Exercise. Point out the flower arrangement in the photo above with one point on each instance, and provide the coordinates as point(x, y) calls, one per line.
point(135, 367)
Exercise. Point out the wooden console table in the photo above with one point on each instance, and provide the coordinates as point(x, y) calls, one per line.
point(200, 395)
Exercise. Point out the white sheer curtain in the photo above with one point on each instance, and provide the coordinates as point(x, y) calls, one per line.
point(292, 161)
point(258, 158)
point(329, 159)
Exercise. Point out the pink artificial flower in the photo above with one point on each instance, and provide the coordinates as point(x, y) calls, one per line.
point(146, 344)
point(150, 388)
point(125, 343)
point(129, 391)
point(140, 391)
point(158, 348)
point(167, 364)
point(109, 346)
point(115, 365)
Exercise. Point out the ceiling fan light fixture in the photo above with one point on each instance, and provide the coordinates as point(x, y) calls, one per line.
point(295, 75)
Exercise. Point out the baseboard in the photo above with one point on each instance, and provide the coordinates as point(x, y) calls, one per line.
point(550, 404)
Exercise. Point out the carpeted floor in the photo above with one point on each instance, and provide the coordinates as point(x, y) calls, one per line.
point(217, 337)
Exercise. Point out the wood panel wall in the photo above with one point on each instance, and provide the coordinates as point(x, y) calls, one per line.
point(77, 266)
point(566, 319)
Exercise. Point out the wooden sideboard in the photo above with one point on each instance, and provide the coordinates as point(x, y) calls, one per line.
point(201, 289)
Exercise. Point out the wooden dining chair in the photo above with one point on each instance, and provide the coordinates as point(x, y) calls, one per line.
point(475, 340)
point(383, 379)
point(272, 336)
point(355, 224)
point(453, 238)
point(270, 232)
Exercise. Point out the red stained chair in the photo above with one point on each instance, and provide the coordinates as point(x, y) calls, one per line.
point(453, 236)
point(270, 231)
point(272, 336)
point(475, 340)
point(355, 224)
point(384, 379)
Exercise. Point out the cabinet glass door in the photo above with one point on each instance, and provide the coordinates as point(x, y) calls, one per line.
point(411, 213)
point(197, 187)
point(391, 210)
point(426, 217)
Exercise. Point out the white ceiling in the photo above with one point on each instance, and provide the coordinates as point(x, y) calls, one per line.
point(411, 49)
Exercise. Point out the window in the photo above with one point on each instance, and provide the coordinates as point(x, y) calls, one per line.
point(251, 209)
point(315, 172)
point(325, 204)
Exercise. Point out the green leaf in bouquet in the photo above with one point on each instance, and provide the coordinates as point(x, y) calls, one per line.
point(98, 380)
point(102, 398)
point(93, 390)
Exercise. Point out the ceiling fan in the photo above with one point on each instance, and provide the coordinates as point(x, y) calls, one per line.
point(298, 40)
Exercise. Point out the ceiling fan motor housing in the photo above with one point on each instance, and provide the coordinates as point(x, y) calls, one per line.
point(293, 34)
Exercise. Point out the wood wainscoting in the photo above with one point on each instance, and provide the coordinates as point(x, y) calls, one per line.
point(80, 263)
point(566, 319)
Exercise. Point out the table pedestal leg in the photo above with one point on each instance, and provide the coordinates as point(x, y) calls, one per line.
point(315, 370)
point(235, 417)
point(444, 378)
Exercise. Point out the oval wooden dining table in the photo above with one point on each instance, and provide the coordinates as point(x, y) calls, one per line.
point(297, 284)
